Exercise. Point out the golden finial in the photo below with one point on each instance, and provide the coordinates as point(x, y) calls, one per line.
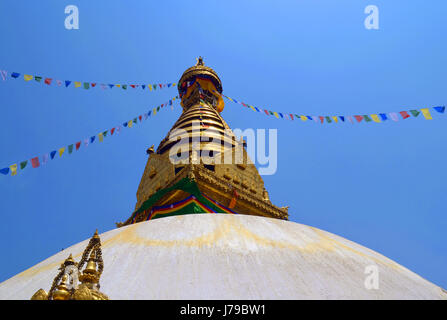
point(150, 150)
point(69, 260)
point(199, 61)
point(62, 292)
point(96, 236)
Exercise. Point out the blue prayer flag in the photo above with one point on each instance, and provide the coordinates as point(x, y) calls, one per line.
point(111, 86)
point(125, 124)
point(67, 83)
point(342, 118)
point(143, 86)
point(383, 116)
point(52, 154)
point(5, 171)
point(308, 117)
point(92, 139)
point(440, 109)
point(281, 114)
point(15, 74)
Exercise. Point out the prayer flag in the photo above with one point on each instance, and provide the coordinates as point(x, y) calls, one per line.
point(37, 78)
point(3, 73)
point(61, 151)
point(70, 149)
point(404, 114)
point(154, 86)
point(130, 124)
point(335, 119)
point(426, 114)
point(93, 85)
point(124, 86)
point(59, 82)
point(92, 139)
point(67, 83)
point(150, 87)
point(276, 114)
point(15, 75)
point(111, 86)
point(383, 116)
point(105, 133)
point(415, 113)
point(440, 109)
point(78, 145)
point(86, 85)
point(4, 171)
point(328, 119)
point(375, 118)
point(321, 119)
point(303, 118)
point(52, 154)
point(351, 120)
point(100, 137)
point(23, 164)
point(77, 84)
point(143, 86)
point(13, 169)
point(48, 81)
point(393, 116)
point(342, 118)
point(358, 118)
point(27, 77)
point(35, 162)
point(45, 158)
point(367, 119)
point(125, 124)
point(86, 142)
point(112, 131)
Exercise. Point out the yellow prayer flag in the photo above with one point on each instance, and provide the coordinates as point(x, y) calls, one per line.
point(130, 123)
point(276, 114)
point(154, 112)
point(150, 87)
point(253, 108)
point(426, 114)
point(375, 117)
point(61, 151)
point(27, 77)
point(13, 169)
point(77, 84)
point(100, 137)
point(118, 85)
point(335, 118)
point(303, 118)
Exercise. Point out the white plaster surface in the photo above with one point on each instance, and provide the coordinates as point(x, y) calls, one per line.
point(221, 256)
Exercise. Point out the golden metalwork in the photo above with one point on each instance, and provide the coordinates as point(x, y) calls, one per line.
point(65, 286)
point(201, 120)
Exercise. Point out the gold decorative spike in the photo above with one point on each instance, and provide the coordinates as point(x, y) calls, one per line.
point(64, 289)
point(150, 150)
point(40, 295)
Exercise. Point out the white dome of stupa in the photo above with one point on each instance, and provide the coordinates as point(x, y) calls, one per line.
point(222, 256)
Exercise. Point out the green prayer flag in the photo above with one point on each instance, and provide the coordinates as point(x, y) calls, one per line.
point(105, 133)
point(70, 148)
point(328, 119)
point(271, 113)
point(124, 86)
point(154, 86)
point(37, 78)
point(23, 164)
point(135, 120)
point(86, 85)
point(367, 118)
point(415, 113)
point(158, 108)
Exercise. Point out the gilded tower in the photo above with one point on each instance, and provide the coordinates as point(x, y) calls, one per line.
point(200, 166)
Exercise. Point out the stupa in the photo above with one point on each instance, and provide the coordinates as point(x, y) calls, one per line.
point(204, 228)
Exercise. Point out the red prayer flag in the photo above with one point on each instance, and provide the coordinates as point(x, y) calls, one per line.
point(78, 144)
point(266, 112)
point(35, 162)
point(93, 84)
point(48, 81)
point(112, 131)
point(404, 114)
point(133, 86)
point(291, 116)
point(140, 117)
point(321, 119)
point(358, 118)
point(160, 86)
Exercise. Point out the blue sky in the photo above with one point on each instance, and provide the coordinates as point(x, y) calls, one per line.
point(380, 185)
